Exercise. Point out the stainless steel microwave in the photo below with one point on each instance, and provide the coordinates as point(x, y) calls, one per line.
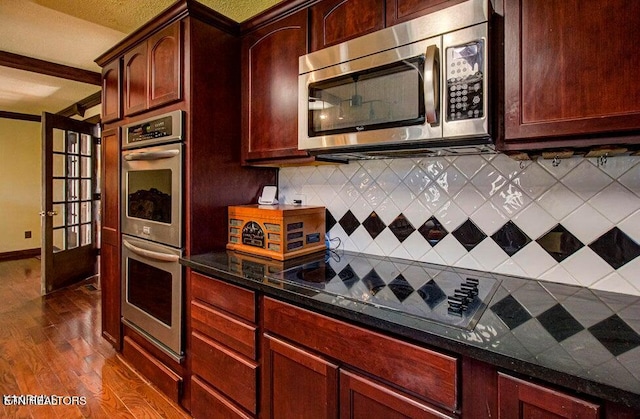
point(418, 86)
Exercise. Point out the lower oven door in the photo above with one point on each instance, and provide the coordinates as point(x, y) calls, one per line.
point(152, 293)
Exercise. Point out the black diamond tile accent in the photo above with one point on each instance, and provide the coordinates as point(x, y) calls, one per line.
point(510, 238)
point(374, 225)
point(329, 220)
point(433, 231)
point(349, 223)
point(616, 248)
point(615, 335)
point(469, 235)
point(511, 312)
point(559, 323)
point(432, 294)
point(401, 228)
point(400, 288)
point(373, 282)
point(348, 276)
point(560, 243)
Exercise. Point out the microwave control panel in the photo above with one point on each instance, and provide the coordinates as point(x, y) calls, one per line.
point(465, 80)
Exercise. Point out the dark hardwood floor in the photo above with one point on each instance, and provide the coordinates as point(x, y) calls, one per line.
point(52, 346)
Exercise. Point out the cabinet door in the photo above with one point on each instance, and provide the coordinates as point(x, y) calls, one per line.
point(399, 11)
point(270, 89)
point(111, 92)
point(296, 383)
point(569, 71)
point(362, 398)
point(110, 237)
point(135, 80)
point(336, 21)
point(521, 399)
point(164, 66)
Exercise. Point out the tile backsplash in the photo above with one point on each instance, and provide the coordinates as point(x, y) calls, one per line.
point(577, 222)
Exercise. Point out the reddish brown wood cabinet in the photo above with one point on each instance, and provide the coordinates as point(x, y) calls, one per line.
point(521, 399)
point(152, 71)
point(270, 89)
point(398, 11)
point(570, 75)
point(111, 109)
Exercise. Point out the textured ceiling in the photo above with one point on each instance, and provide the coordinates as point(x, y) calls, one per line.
point(74, 33)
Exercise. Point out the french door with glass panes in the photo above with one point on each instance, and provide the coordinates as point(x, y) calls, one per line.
point(69, 251)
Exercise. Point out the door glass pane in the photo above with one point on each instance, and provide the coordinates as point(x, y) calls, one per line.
point(85, 212)
point(73, 213)
point(85, 236)
point(72, 237)
point(74, 190)
point(73, 164)
point(85, 167)
point(73, 142)
point(59, 166)
point(58, 219)
point(85, 194)
point(58, 140)
point(58, 239)
point(58, 190)
point(85, 144)
point(149, 195)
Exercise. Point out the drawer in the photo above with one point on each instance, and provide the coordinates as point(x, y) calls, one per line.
point(207, 402)
point(232, 375)
point(233, 333)
point(421, 372)
point(238, 301)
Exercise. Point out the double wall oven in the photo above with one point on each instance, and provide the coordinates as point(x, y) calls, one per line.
point(152, 243)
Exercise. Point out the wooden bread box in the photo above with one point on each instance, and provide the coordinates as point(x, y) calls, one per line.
point(277, 231)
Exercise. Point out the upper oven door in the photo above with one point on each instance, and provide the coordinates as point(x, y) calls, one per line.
point(389, 97)
point(152, 193)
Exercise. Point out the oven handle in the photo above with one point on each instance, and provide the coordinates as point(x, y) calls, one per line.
point(163, 257)
point(152, 155)
point(432, 83)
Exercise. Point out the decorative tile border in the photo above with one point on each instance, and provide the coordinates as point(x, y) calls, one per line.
point(576, 223)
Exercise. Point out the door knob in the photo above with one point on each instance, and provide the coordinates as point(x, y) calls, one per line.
point(48, 213)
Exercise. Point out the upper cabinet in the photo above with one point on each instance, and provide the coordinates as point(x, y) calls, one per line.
point(270, 90)
point(398, 11)
point(111, 109)
point(570, 74)
point(152, 71)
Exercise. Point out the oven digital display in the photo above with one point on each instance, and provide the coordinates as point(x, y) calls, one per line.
point(252, 234)
point(157, 128)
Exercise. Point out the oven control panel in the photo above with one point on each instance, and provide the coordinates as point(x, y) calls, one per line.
point(157, 130)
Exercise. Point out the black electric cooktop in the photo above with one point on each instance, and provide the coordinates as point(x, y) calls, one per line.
point(451, 296)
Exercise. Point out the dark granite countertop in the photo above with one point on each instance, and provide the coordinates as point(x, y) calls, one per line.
point(583, 339)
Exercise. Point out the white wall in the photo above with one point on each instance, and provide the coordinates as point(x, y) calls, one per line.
point(20, 184)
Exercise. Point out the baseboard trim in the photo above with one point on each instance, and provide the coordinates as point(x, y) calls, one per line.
point(19, 254)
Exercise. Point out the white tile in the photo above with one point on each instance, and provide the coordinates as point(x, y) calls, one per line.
point(450, 216)
point(401, 253)
point(388, 180)
point(327, 170)
point(350, 168)
point(509, 267)
point(615, 167)
point(506, 165)
point(451, 181)
point(469, 165)
point(374, 195)
point(417, 214)
point(417, 180)
point(534, 221)
point(560, 275)
point(361, 238)
point(565, 166)
point(324, 193)
point(402, 196)
point(631, 179)
point(375, 167)
point(432, 257)
point(534, 180)
point(468, 262)
point(586, 224)
point(534, 260)
point(350, 193)
point(586, 180)
point(361, 180)
point(449, 249)
point(586, 266)
point(615, 202)
point(387, 211)
point(337, 180)
point(387, 241)
point(337, 207)
point(489, 254)
point(489, 181)
point(309, 193)
point(433, 197)
point(559, 201)
point(416, 245)
point(402, 167)
point(489, 218)
point(316, 178)
point(629, 271)
point(433, 167)
point(511, 200)
point(616, 283)
point(361, 209)
point(631, 226)
point(374, 249)
point(337, 237)
point(469, 199)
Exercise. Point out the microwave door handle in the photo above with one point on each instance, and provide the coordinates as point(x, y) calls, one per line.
point(432, 83)
point(152, 155)
point(162, 257)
